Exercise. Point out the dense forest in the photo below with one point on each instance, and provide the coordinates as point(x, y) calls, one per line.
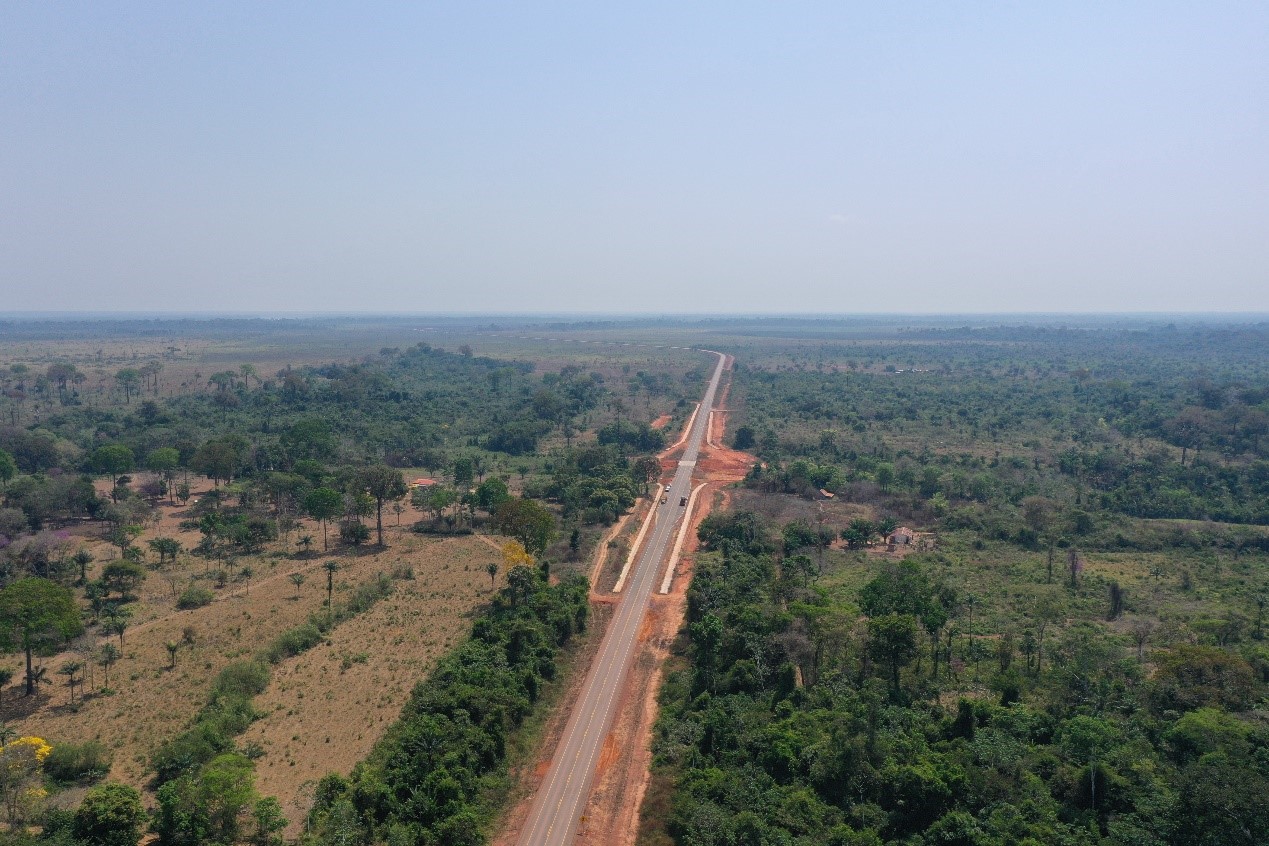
point(1023, 601)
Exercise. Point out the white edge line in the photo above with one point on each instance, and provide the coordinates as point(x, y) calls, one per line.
point(634, 549)
point(678, 543)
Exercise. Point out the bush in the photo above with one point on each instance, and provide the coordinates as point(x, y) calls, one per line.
point(292, 642)
point(71, 763)
point(354, 532)
point(111, 815)
point(194, 596)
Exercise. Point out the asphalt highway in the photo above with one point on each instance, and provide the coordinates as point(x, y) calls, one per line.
point(562, 798)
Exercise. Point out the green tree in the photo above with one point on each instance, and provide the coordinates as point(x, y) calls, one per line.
point(35, 612)
point(892, 641)
point(492, 569)
point(297, 579)
point(166, 548)
point(107, 657)
point(8, 468)
point(385, 485)
point(528, 522)
point(464, 472)
point(113, 460)
point(1087, 739)
point(492, 493)
point(110, 815)
point(220, 459)
point(123, 577)
point(268, 823)
point(323, 504)
point(83, 558)
point(129, 379)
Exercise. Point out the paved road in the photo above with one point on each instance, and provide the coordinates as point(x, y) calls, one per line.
point(562, 797)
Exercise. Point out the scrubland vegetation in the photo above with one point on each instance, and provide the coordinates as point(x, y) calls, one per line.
point(130, 506)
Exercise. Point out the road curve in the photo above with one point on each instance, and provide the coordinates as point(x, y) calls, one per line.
point(562, 797)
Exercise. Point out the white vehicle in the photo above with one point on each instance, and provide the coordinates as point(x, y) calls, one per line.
point(667, 488)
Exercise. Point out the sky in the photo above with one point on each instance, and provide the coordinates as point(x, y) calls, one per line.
point(796, 157)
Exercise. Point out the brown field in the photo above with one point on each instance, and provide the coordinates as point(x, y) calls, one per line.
point(324, 709)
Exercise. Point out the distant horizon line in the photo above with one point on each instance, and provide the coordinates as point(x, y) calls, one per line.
point(124, 314)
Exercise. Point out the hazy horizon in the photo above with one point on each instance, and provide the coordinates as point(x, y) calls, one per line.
point(722, 159)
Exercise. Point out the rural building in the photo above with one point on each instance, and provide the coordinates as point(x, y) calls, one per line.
point(901, 536)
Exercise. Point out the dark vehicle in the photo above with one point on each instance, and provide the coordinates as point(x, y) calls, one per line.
point(682, 500)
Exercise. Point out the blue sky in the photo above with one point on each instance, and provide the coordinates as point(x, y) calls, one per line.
point(752, 157)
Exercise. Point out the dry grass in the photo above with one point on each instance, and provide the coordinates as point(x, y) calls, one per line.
point(334, 700)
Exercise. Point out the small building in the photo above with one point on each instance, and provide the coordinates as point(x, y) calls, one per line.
point(423, 483)
point(823, 494)
point(901, 536)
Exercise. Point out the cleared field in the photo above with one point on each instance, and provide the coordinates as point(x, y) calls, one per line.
point(338, 698)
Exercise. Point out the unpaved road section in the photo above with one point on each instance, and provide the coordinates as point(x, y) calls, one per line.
point(561, 800)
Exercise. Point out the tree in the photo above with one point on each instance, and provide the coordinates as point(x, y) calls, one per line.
point(1087, 739)
point(269, 823)
point(491, 493)
point(166, 548)
point(117, 622)
point(71, 670)
point(110, 815)
point(297, 579)
point(528, 522)
point(8, 468)
point(492, 569)
point(83, 558)
point(464, 472)
point(521, 581)
point(129, 379)
point(107, 657)
point(123, 577)
point(220, 459)
point(21, 769)
point(323, 504)
point(113, 460)
point(164, 462)
point(35, 612)
point(385, 485)
point(331, 567)
point(892, 640)
point(172, 648)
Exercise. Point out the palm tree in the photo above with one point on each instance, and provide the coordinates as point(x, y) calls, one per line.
point(331, 567)
point(245, 574)
point(71, 670)
point(117, 622)
point(172, 646)
point(83, 558)
point(297, 579)
point(109, 655)
point(492, 569)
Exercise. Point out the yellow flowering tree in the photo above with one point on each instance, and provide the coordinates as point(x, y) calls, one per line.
point(21, 772)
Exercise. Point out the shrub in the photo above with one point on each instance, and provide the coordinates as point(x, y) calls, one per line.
point(194, 596)
point(71, 763)
point(292, 642)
